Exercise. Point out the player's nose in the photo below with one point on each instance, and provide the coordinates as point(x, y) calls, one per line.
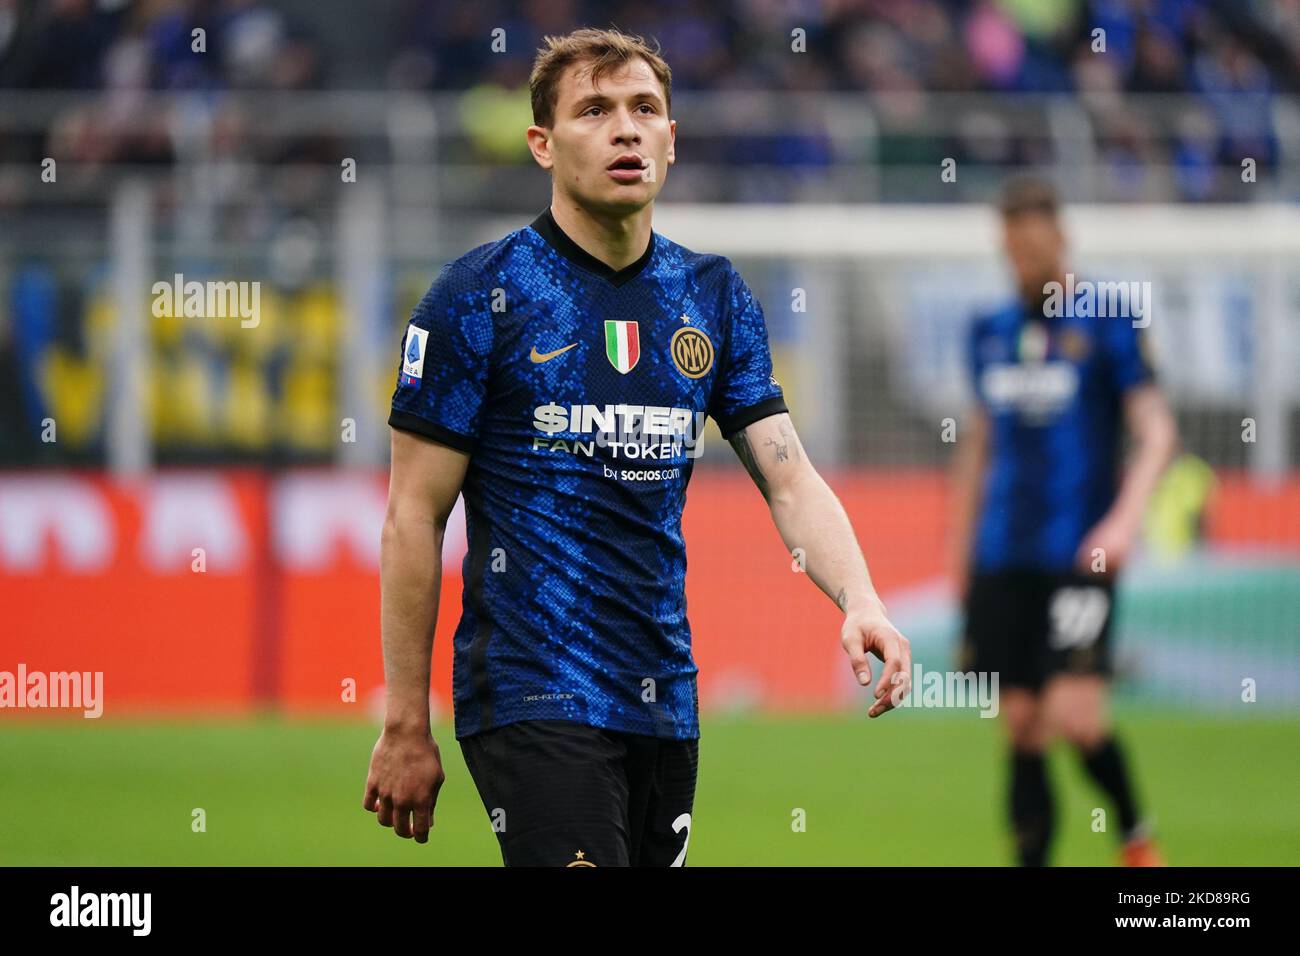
point(625, 129)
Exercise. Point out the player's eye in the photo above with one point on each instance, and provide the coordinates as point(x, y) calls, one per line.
point(588, 111)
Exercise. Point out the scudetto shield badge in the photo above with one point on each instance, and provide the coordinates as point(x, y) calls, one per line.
point(622, 344)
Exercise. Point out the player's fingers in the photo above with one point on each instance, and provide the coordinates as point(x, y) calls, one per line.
point(883, 688)
point(890, 690)
point(858, 659)
point(882, 706)
point(371, 799)
point(385, 811)
point(890, 678)
point(896, 678)
point(422, 820)
point(402, 821)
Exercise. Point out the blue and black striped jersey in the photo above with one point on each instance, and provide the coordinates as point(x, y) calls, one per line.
point(579, 394)
point(1053, 390)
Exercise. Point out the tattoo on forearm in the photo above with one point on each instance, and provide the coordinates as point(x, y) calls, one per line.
point(842, 598)
point(745, 452)
point(787, 432)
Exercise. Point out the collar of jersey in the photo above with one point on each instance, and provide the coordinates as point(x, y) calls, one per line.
point(545, 226)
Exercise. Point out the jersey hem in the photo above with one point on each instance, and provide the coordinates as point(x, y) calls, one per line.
point(466, 728)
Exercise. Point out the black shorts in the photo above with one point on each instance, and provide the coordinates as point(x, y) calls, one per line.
point(565, 794)
point(1030, 626)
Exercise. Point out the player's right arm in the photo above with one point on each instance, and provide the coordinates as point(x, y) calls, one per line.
point(406, 766)
point(436, 416)
point(967, 476)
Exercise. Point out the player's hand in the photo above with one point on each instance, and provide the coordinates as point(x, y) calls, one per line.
point(1113, 537)
point(869, 631)
point(403, 783)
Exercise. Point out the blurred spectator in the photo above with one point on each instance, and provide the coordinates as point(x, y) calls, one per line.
point(269, 188)
point(1234, 54)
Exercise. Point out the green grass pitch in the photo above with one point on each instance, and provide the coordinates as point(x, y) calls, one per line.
point(913, 788)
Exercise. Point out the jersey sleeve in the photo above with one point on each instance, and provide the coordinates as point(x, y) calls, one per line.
point(444, 363)
point(745, 390)
point(1128, 355)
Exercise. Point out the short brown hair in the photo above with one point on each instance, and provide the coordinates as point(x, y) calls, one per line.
point(1028, 194)
point(607, 50)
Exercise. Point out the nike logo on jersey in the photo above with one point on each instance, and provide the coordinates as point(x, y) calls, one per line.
point(539, 357)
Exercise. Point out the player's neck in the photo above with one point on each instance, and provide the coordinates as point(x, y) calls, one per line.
point(1035, 295)
point(616, 241)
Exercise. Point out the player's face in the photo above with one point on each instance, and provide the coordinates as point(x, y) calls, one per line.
point(1035, 246)
point(609, 146)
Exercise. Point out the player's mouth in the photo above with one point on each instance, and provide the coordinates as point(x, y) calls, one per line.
point(628, 168)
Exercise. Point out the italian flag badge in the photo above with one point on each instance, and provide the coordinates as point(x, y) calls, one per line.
point(622, 345)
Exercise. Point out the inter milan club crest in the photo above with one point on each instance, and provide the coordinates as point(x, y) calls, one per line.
point(692, 352)
point(1074, 345)
point(622, 344)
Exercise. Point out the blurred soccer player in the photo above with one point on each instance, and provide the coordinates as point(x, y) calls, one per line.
point(1044, 520)
point(556, 378)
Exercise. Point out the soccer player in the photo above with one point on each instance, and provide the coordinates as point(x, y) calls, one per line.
point(1044, 520)
point(557, 378)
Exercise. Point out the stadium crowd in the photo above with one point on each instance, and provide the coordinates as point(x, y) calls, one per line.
point(1233, 55)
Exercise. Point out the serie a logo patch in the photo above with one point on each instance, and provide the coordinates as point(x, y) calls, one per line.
point(413, 352)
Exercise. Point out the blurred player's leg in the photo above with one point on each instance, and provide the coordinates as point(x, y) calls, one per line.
point(1033, 813)
point(1005, 615)
point(1079, 708)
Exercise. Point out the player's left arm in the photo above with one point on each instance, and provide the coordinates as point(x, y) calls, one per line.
point(1154, 434)
point(815, 527)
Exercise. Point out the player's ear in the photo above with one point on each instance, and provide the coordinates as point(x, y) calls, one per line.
point(672, 141)
point(539, 144)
